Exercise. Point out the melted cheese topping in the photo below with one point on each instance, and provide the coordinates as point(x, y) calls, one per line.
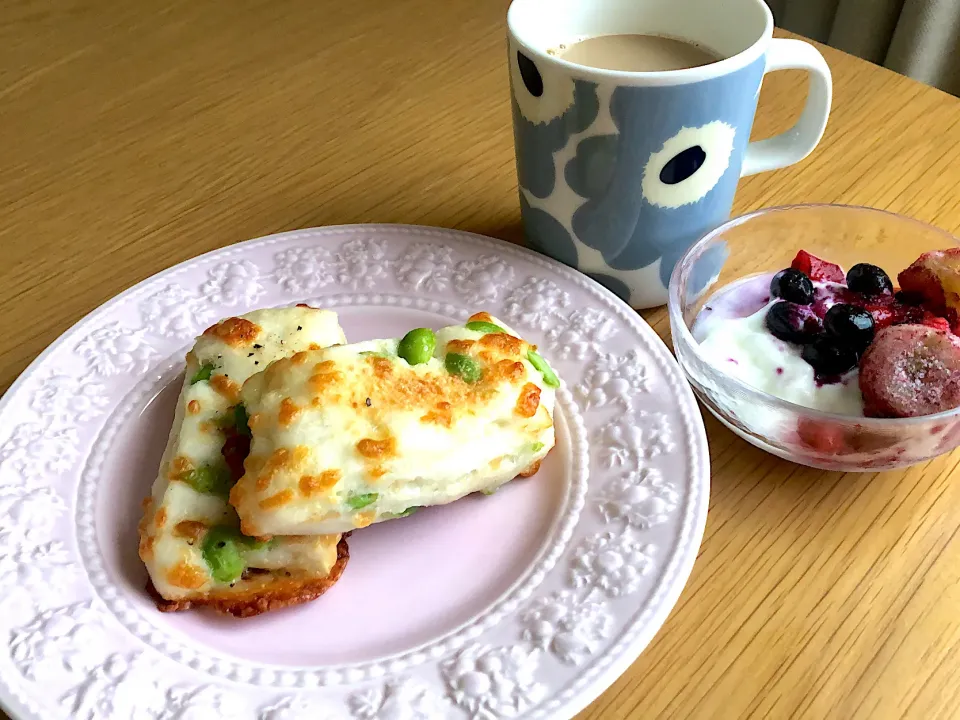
point(349, 436)
point(177, 515)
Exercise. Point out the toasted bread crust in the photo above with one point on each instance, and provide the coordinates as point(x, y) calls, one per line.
point(273, 593)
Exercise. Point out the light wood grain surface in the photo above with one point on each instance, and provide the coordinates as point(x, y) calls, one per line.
point(139, 134)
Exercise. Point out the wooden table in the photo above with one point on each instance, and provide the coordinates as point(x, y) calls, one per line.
point(139, 134)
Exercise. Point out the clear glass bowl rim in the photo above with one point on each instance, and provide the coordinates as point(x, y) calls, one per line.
point(682, 335)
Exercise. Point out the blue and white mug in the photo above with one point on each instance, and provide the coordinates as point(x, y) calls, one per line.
point(620, 172)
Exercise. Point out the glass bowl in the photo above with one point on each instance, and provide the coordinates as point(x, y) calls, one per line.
point(762, 243)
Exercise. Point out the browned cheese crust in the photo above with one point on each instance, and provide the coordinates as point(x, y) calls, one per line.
point(532, 470)
point(261, 593)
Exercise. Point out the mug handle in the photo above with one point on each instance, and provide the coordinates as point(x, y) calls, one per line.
point(799, 141)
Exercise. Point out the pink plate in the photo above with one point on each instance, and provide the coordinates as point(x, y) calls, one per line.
point(527, 603)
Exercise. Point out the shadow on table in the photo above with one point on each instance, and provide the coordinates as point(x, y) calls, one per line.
point(511, 232)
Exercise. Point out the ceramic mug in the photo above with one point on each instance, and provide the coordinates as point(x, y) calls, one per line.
point(621, 172)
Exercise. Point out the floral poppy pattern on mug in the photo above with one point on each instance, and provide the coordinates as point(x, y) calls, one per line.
point(618, 181)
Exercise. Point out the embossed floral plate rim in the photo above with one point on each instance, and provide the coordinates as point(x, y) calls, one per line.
point(596, 659)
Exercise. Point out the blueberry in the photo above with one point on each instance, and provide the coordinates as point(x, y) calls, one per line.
point(793, 286)
point(850, 325)
point(828, 358)
point(869, 280)
point(792, 323)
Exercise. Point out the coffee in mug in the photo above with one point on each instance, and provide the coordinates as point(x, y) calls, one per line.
point(632, 52)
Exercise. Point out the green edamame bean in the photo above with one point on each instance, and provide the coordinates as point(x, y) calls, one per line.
point(252, 543)
point(241, 420)
point(417, 346)
point(549, 376)
point(204, 373)
point(210, 480)
point(463, 366)
point(484, 327)
point(235, 420)
point(358, 502)
point(405, 513)
point(221, 552)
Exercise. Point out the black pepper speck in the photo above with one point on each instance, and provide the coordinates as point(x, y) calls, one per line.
point(257, 347)
point(299, 327)
point(369, 402)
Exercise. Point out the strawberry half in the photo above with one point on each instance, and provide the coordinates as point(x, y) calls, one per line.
point(893, 314)
point(824, 438)
point(937, 323)
point(817, 269)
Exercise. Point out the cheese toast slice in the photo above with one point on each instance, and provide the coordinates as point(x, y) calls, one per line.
point(349, 436)
point(190, 540)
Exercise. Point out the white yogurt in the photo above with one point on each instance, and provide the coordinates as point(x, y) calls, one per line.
point(740, 345)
